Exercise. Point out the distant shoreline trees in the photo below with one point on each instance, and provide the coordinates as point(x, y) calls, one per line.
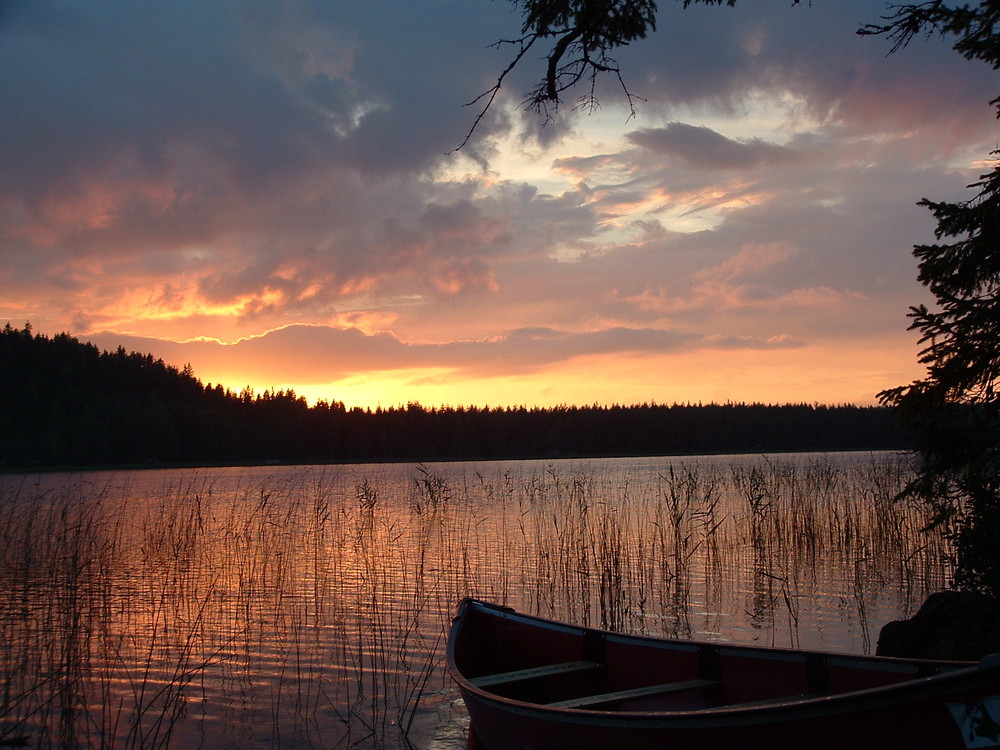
point(67, 404)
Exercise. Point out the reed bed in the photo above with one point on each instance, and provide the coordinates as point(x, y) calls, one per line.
point(308, 607)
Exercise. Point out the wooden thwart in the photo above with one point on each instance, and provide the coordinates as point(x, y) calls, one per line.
point(649, 691)
point(532, 673)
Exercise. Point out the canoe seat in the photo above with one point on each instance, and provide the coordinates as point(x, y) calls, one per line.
point(532, 673)
point(666, 688)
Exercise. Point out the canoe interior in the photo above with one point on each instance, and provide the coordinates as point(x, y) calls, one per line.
point(545, 662)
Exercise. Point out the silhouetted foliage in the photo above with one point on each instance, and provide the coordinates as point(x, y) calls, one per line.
point(65, 403)
point(953, 413)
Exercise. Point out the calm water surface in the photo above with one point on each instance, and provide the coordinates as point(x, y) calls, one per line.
point(307, 607)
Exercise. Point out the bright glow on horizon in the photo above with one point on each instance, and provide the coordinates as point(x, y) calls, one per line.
point(720, 377)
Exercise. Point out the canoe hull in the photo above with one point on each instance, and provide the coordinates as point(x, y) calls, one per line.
point(868, 702)
point(920, 726)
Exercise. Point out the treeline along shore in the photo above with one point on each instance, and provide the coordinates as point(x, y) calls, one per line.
point(65, 403)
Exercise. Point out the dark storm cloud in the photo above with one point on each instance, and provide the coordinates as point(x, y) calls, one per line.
point(88, 84)
point(703, 147)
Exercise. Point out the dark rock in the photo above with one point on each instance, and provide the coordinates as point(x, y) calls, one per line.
point(949, 625)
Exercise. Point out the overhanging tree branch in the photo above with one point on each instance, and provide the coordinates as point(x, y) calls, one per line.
point(490, 95)
point(582, 33)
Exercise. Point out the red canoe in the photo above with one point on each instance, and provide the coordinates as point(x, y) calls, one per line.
point(532, 683)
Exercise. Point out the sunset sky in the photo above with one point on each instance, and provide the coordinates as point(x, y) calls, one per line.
point(268, 190)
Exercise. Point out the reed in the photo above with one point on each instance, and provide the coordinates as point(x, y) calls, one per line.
point(309, 607)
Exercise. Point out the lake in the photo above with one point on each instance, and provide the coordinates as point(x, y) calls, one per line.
point(308, 606)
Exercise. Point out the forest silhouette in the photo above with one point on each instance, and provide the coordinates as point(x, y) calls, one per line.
point(68, 404)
